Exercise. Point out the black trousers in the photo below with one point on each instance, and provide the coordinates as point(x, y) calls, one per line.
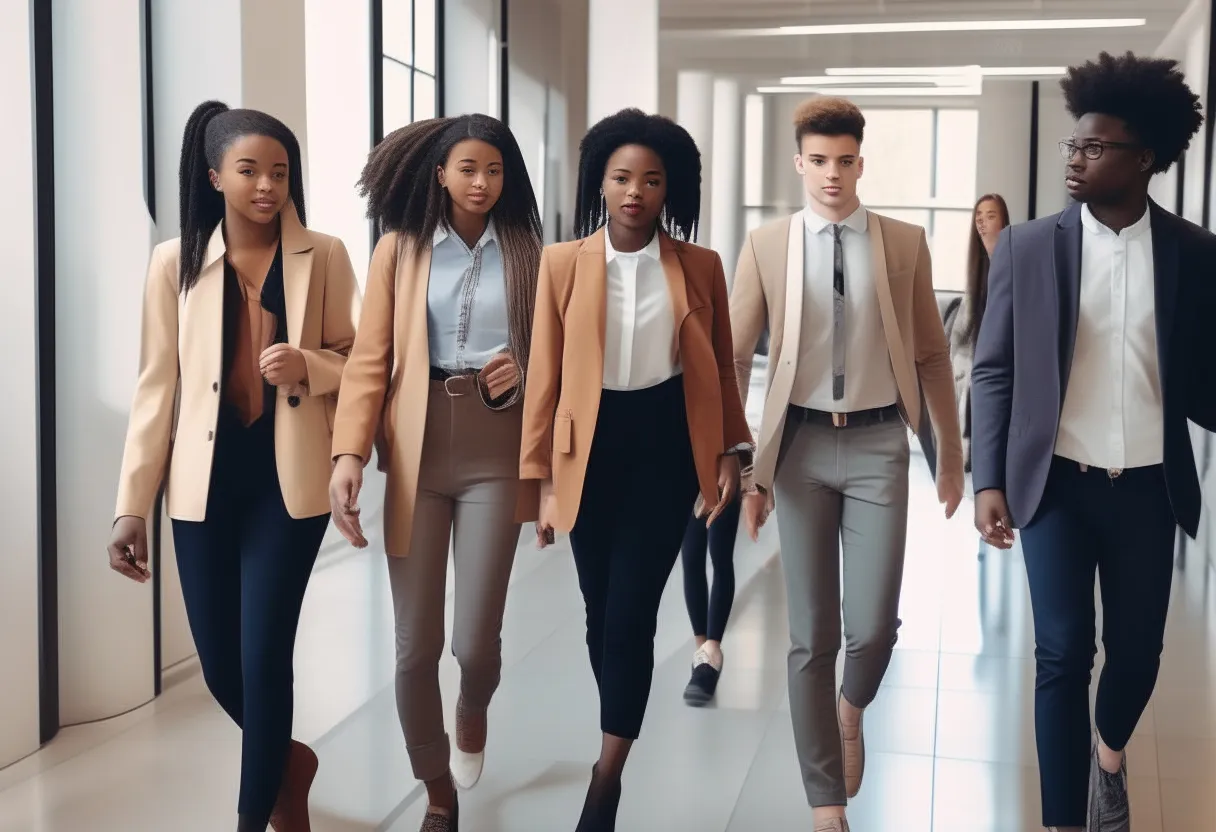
point(640, 481)
point(1124, 529)
point(709, 606)
point(244, 570)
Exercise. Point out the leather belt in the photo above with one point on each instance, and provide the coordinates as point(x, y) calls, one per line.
point(856, 419)
point(439, 374)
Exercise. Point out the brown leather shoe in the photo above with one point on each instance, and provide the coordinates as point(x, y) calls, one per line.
point(853, 748)
point(833, 825)
point(291, 809)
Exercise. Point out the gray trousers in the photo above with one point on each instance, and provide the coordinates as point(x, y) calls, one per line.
point(839, 486)
point(467, 488)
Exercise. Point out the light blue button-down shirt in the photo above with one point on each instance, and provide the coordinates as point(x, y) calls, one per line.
point(466, 301)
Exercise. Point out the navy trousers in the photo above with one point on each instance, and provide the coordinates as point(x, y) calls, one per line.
point(1122, 528)
point(709, 605)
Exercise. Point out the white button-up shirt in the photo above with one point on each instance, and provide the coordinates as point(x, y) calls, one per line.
point(640, 348)
point(466, 301)
point(1112, 415)
point(869, 380)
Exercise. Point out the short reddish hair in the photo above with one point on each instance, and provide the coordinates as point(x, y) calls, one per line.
point(828, 116)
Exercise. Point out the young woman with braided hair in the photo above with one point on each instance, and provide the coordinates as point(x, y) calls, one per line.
point(632, 411)
point(248, 316)
point(434, 383)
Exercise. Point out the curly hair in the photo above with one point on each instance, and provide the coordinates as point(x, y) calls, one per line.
point(675, 148)
point(210, 131)
point(1149, 94)
point(401, 184)
point(828, 116)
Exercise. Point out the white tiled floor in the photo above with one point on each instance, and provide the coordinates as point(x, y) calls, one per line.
point(950, 738)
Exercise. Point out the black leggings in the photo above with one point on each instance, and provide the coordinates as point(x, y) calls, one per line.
point(640, 481)
point(709, 609)
point(244, 570)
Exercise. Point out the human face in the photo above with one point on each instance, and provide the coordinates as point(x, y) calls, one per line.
point(635, 188)
point(472, 176)
point(253, 177)
point(830, 167)
point(988, 220)
point(1120, 170)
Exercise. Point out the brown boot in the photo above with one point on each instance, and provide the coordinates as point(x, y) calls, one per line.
point(853, 746)
point(291, 809)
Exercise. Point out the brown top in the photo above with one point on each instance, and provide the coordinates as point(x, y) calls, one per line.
point(252, 328)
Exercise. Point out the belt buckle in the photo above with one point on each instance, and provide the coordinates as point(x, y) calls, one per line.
point(1113, 473)
point(840, 420)
point(447, 385)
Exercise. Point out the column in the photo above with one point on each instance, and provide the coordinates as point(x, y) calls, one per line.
point(19, 718)
point(622, 57)
point(695, 113)
point(726, 177)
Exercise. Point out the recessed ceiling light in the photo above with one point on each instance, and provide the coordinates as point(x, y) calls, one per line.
point(881, 78)
point(905, 27)
point(956, 71)
point(885, 92)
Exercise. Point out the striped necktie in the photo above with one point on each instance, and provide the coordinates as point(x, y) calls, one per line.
point(837, 315)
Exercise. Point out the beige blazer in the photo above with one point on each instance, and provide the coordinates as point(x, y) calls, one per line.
point(386, 383)
point(769, 290)
point(177, 397)
point(566, 371)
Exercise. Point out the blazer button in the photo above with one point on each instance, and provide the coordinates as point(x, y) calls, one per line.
point(215, 387)
point(210, 435)
point(294, 401)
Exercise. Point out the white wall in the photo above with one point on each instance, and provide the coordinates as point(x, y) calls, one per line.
point(271, 77)
point(103, 236)
point(623, 71)
point(575, 70)
point(726, 177)
point(19, 379)
point(695, 113)
point(1055, 123)
point(1003, 160)
point(470, 75)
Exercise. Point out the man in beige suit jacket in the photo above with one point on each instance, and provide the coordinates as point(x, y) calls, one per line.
point(847, 296)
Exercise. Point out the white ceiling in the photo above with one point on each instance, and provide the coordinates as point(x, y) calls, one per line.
point(692, 36)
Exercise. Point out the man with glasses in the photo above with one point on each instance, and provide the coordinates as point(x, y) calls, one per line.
point(1095, 351)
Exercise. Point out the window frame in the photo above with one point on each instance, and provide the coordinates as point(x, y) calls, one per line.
point(379, 56)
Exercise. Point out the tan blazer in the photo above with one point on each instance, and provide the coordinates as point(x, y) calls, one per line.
point(769, 290)
point(566, 373)
point(386, 383)
point(177, 398)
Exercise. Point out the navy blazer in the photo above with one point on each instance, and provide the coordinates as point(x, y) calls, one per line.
point(1024, 355)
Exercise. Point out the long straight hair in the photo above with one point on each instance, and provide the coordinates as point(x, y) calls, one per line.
point(401, 184)
point(978, 264)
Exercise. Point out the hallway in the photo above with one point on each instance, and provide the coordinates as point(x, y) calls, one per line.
point(950, 737)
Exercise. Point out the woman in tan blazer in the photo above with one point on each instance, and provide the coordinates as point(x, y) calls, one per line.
point(434, 382)
point(247, 320)
point(631, 410)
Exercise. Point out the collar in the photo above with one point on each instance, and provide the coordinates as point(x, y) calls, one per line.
point(653, 249)
point(857, 221)
point(443, 232)
point(293, 236)
point(1093, 226)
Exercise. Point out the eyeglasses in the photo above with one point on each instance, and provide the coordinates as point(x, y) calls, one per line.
point(1093, 149)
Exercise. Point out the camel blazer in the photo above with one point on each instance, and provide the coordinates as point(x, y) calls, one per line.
point(769, 290)
point(386, 383)
point(566, 372)
point(177, 397)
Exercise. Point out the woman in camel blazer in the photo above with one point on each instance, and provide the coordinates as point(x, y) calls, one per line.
point(247, 320)
point(434, 383)
point(631, 409)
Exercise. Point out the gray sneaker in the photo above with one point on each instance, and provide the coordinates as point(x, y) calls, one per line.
point(1109, 810)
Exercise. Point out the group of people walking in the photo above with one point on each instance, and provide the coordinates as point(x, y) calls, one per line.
point(596, 388)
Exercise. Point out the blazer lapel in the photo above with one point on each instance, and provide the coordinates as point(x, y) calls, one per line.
point(1165, 282)
point(1067, 260)
point(297, 271)
point(906, 380)
point(591, 287)
point(676, 284)
point(205, 304)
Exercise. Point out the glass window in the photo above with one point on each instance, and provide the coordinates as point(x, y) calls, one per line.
point(409, 48)
point(898, 157)
point(424, 97)
point(398, 95)
point(951, 236)
point(424, 44)
point(398, 22)
point(957, 147)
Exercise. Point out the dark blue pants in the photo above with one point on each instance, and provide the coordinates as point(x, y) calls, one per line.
point(641, 479)
point(709, 607)
point(1124, 529)
point(244, 570)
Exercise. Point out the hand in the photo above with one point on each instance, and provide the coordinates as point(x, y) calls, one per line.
point(992, 518)
point(950, 492)
point(129, 549)
point(728, 485)
point(756, 508)
point(283, 364)
point(344, 486)
point(548, 511)
point(500, 375)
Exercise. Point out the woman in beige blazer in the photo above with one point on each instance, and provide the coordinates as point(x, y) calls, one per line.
point(632, 411)
point(434, 382)
point(247, 320)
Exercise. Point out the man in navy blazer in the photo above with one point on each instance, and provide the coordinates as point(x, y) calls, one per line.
point(1094, 354)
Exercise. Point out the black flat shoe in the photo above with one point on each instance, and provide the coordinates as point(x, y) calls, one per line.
point(704, 681)
point(599, 808)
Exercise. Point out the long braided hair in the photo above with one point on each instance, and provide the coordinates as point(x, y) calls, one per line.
point(210, 131)
point(401, 184)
